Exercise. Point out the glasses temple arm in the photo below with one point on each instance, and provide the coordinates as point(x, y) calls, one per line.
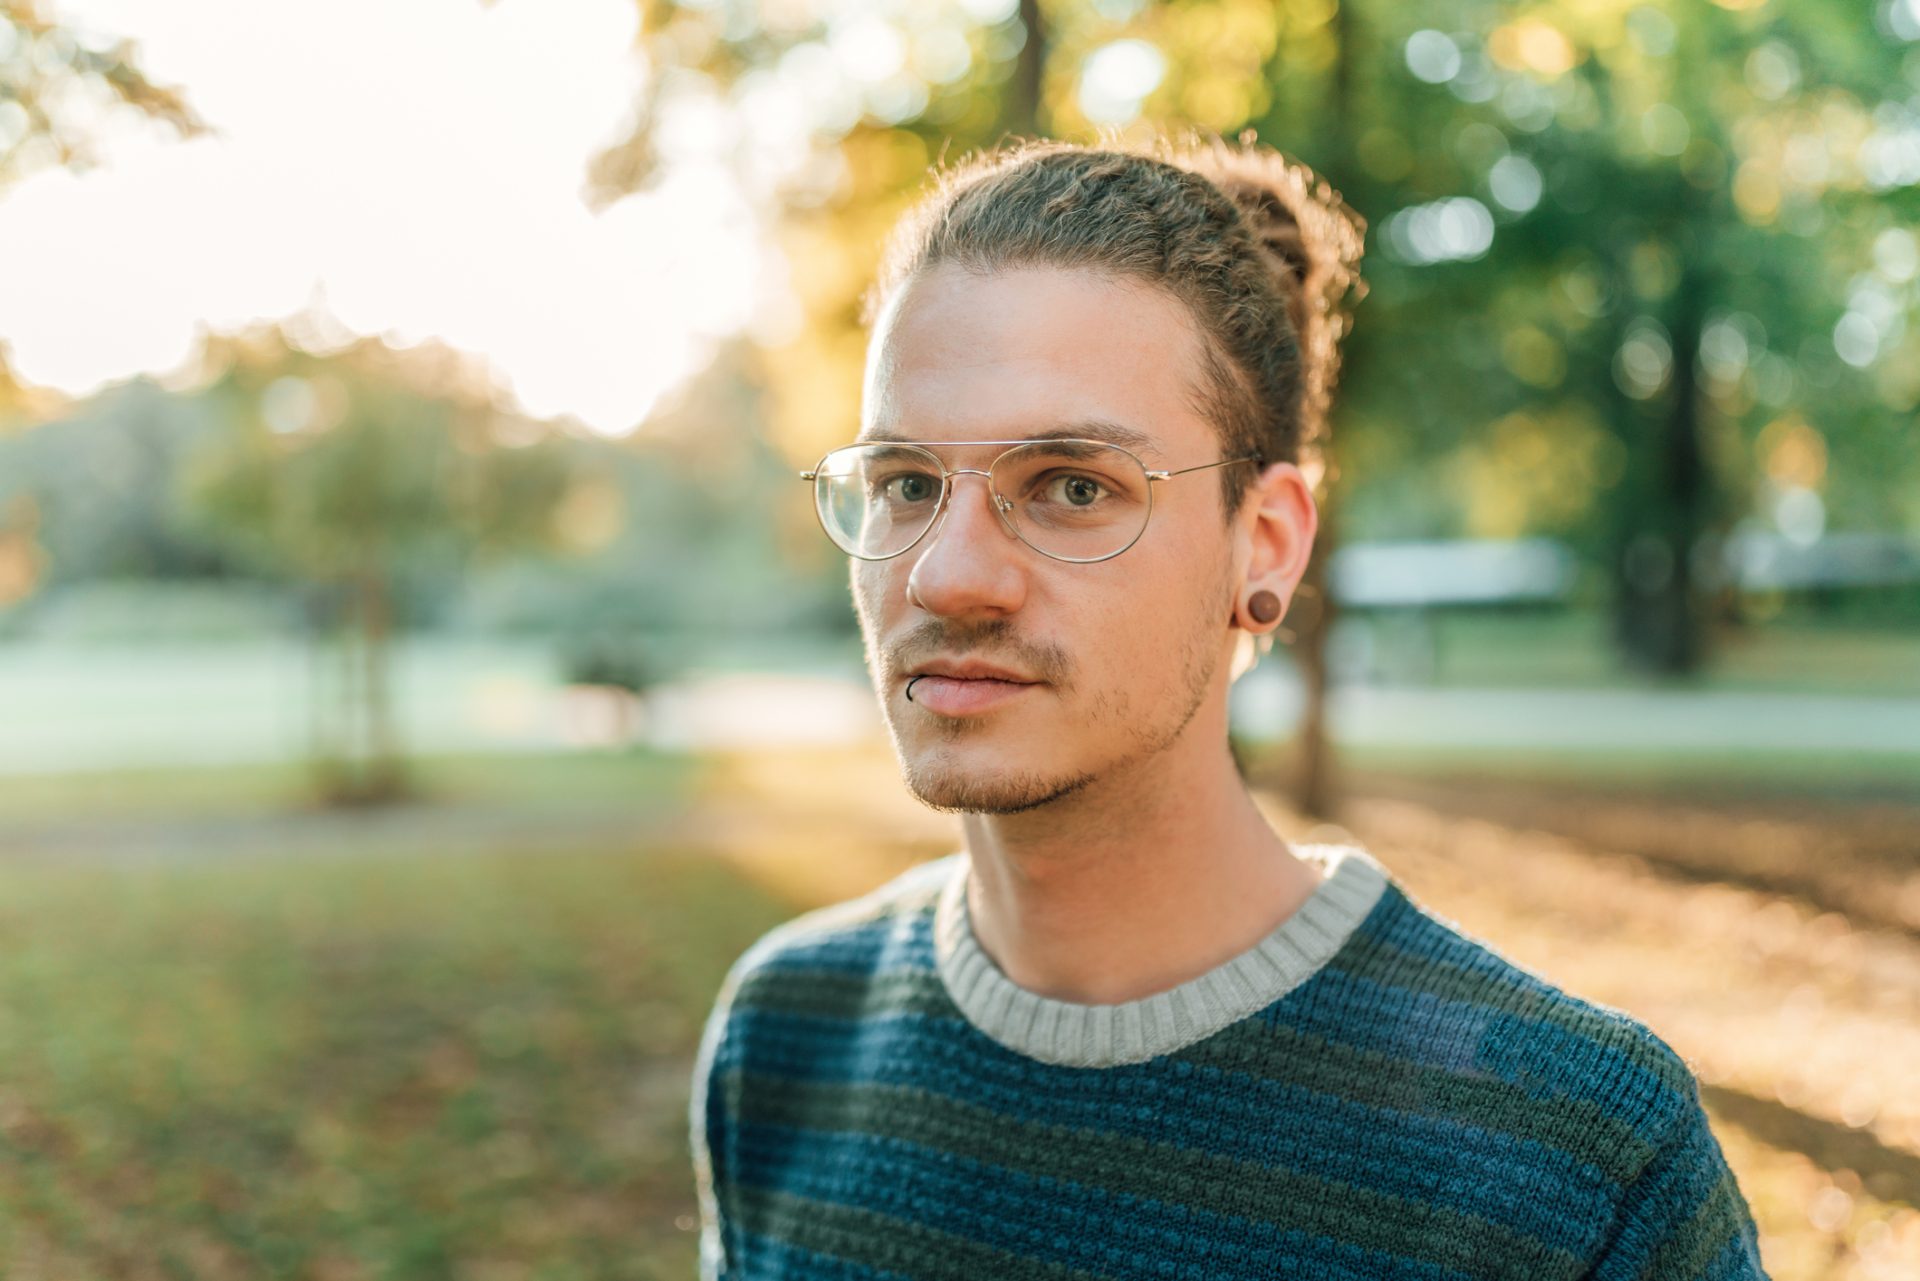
point(1224, 462)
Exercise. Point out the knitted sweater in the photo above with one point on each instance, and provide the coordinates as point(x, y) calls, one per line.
point(1365, 1094)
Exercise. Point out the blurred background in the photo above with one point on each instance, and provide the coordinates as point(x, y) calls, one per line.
point(421, 672)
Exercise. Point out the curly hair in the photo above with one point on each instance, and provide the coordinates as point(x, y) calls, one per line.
point(1264, 253)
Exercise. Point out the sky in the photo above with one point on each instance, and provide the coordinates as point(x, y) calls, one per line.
point(414, 168)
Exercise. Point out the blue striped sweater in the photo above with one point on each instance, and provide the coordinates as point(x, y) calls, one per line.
point(1367, 1093)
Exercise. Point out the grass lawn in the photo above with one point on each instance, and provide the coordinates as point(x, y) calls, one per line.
point(443, 1065)
point(417, 1063)
point(598, 781)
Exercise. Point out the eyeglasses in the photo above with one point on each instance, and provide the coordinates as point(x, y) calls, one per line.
point(1073, 500)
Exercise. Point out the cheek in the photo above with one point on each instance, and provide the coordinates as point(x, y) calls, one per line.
point(870, 585)
point(1160, 616)
point(1124, 624)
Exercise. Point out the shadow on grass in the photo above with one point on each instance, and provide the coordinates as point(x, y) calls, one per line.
point(1890, 1173)
point(1855, 858)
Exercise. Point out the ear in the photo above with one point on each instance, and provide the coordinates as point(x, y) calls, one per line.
point(1277, 524)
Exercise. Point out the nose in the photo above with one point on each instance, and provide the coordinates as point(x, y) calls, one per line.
point(970, 562)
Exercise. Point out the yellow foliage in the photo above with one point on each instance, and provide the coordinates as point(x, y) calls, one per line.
point(1537, 472)
point(1532, 44)
point(824, 266)
point(1793, 452)
point(814, 393)
point(882, 160)
point(1317, 51)
point(22, 560)
point(813, 381)
point(1310, 15)
point(1534, 356)
point(590, 516)
point(20, 564)
point(1756, 192)
point(1255, 26)
point(1218, 102)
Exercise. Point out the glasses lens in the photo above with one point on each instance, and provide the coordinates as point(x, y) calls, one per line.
point(875, 500)
point(1075, 499)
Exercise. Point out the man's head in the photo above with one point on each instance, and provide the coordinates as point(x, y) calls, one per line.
point(1052, 287)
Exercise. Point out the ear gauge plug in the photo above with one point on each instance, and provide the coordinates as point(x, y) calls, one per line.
point(1263, 606)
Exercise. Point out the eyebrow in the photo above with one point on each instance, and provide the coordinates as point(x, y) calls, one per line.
point(1080, 429)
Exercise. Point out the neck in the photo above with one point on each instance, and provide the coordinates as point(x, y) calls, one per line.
point(1144, 879)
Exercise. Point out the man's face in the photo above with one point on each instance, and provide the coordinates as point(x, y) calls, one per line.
point(1121, 653)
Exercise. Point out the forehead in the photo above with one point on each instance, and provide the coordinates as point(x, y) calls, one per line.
point(1031, 352)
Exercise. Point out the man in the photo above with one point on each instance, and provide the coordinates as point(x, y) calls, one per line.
point(1128, 1030)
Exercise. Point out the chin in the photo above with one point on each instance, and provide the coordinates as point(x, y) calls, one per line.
point(951, 783)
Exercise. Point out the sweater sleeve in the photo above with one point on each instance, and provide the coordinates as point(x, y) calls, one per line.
point(1683, 1218)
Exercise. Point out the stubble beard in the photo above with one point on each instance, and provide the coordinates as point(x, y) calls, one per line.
point(941, 781)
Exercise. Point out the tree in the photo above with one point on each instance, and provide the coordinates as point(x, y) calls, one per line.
point(342, 471)
point(58, 89)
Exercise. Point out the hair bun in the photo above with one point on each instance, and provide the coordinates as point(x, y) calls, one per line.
point(1313, 238)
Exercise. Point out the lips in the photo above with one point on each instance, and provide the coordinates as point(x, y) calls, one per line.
point(965, 686)
point(963, 696)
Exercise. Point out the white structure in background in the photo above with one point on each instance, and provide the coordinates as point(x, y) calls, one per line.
point(751, 709)
point(1757, 559)
point(1453, 572)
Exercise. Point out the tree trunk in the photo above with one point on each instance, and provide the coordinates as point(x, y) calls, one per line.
point(382, 780)
point(1316, 779)
point(330, 695)
point(1659, 619)
point(1022, 107)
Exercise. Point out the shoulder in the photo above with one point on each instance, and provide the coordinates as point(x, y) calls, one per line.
point(824, 960)
point(1456, 1003)
point(857, 936)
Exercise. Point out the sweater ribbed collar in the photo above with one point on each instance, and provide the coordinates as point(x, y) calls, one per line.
point(1071, 1034)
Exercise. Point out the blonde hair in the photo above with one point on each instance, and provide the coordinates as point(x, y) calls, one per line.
point(1264, 253)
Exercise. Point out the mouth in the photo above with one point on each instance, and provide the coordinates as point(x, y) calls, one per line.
point(964, 696)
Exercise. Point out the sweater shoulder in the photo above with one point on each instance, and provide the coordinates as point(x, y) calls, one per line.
point(861, 934)
point(1459, 1001)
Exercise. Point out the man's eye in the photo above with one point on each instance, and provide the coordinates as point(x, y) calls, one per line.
point(1072, 490)
point(912, 487)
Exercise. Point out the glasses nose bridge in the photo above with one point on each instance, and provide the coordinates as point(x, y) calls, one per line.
point(1000, 502)
point(1001, 506)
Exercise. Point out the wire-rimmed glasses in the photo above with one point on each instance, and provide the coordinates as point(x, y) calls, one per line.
point(1072, 499)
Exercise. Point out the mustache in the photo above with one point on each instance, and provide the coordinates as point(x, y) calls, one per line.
point(992, 642)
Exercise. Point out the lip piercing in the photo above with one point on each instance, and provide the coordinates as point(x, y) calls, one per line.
point(922, 676)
